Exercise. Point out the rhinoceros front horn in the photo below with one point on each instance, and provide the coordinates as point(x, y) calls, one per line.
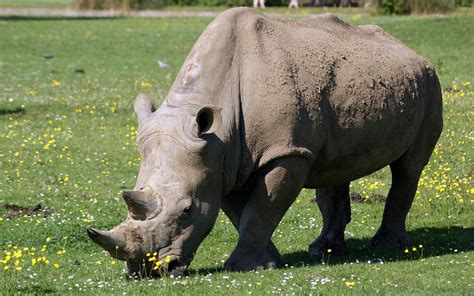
point(140, 204)
point(113, 241)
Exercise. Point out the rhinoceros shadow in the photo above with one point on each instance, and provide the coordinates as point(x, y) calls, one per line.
point(434, 241)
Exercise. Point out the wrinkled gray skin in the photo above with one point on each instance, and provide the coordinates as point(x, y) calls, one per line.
point(261, 109)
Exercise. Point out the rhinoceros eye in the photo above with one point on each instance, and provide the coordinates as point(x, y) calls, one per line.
point(186, 212)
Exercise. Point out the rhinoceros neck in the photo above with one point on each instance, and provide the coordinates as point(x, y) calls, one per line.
point(210, 65)
point(211, 76)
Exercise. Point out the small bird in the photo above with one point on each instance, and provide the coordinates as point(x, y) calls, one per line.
point(163, 64)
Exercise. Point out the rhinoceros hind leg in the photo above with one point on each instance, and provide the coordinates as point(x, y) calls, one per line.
point(407, 169)
point(392, 232)
point(335, 207)
point(406, 173)
point(276, 188)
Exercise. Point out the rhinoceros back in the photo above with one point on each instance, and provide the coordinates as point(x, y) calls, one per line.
point(351, 99)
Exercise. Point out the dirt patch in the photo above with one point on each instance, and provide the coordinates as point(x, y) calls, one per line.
point(358, 198)
point(372, 198)
point(16, 211)
point(10, 111)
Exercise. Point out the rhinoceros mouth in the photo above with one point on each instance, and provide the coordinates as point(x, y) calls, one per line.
point(172, 266)
point(176, 267)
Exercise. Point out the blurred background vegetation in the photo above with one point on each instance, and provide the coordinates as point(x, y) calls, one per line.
point(419, 6)
point(383, 6)
point(387, 7)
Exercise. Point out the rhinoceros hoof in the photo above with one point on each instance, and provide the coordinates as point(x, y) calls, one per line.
point(251, 260)
point(385, 239)
point(320, 247)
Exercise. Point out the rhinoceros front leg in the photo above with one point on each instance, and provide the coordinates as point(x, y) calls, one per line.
point(277, 186)
point(335, 208)
point(233, 205)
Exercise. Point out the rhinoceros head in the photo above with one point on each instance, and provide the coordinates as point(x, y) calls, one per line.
point(177, 195)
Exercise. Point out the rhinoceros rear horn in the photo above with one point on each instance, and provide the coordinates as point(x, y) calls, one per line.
point(140, 204)
point(208, 120)
point(144, 105)
point(113, 241)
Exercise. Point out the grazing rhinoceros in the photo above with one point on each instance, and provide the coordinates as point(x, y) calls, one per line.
point(261, 109)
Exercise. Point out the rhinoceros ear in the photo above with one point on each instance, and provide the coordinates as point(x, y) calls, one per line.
point(140, 204)
point(144, 105)
point(208, 120)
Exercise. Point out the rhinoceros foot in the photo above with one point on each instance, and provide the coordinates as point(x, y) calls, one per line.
point(390, 239)
point(247, 259)
point(324, 245)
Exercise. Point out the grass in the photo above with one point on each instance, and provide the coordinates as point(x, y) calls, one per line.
point(67, 142)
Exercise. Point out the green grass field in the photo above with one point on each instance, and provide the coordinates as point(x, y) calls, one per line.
point(67, 142)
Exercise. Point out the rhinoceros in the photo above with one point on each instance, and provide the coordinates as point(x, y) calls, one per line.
point(261, 109)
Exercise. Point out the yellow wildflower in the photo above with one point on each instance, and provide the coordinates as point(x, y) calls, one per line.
point(146, 84)
point(350, 283)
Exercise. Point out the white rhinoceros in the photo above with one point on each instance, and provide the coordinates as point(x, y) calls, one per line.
point(261, 109)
